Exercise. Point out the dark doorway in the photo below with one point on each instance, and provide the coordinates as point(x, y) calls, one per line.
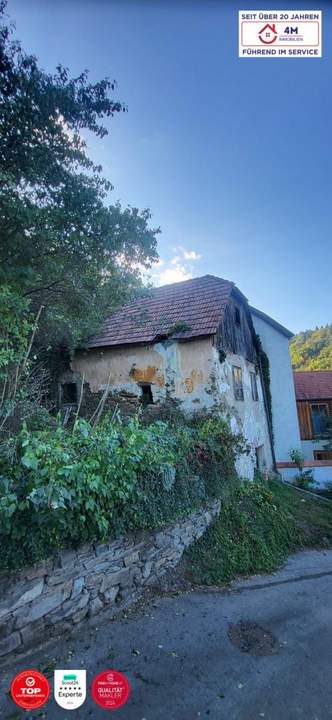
point(69, 393)
point(146, 397)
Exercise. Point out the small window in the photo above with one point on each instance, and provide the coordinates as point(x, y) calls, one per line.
point(319, 419)
point(69, 393)
point(322, 454)
point(253, 381)
point(237, 316)
point(237, 383)
point(146, 396)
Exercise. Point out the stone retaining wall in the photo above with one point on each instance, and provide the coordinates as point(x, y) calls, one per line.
point(58, 593)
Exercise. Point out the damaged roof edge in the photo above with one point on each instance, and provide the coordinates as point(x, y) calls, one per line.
point(272, 322)
point(142, 343)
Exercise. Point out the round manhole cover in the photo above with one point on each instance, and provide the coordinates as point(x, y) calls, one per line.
point(250, 638)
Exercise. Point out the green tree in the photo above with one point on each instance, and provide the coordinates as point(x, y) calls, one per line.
point(312, 349)
point(62, 245)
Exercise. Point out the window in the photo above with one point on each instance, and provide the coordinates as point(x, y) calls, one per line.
point(253, 381)
point(237, 383)
point(146, 396)
point(322, 454)
point(237, 316)
point(319, 419)
point(69, 393)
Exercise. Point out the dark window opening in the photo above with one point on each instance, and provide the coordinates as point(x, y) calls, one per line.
point(237, 316)
point(322, 455)
point(319, 419)
point(146, 396)
point(69, 393)
point(237, 383)
point(254, 391)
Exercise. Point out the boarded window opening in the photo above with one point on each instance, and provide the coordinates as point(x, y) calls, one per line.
point(146, 396)
point(69, 393)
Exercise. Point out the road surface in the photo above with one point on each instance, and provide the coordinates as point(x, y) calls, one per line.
point(187, 656)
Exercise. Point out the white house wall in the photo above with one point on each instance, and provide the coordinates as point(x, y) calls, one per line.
point(308, 447)
point(284, 413)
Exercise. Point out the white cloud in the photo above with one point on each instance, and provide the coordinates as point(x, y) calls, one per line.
point(183, 254)
point(178, 268)
point(191, 255)
point(172, 275)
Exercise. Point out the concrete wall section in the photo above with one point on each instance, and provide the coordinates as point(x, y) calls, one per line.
point(308, 447)
point(322, 474)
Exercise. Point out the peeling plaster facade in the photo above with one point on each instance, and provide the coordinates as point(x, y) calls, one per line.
point(196, 342)
point(190, 372)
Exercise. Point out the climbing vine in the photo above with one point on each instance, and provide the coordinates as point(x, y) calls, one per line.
point(263, 364)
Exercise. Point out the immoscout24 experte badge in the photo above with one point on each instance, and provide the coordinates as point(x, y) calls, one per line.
point(70, 688)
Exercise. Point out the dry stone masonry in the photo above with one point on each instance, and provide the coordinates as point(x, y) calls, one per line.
point(56, 594)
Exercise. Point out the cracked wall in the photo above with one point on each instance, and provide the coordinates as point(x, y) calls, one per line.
point(190, 372)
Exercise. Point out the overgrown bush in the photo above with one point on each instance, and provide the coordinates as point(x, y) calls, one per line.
point(23, 380)
point(253, 533)
point(62, 488)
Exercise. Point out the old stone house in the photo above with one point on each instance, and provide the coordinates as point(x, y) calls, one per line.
point(194, 342)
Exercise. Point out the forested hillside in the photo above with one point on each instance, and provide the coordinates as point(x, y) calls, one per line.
point(312, 349)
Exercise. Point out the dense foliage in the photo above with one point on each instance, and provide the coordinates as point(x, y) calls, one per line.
point(61, 488)
point(312, 349)
point(253, 533)
point(257, 529)
point(62, 245)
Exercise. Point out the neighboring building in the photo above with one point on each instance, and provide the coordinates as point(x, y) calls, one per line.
point(193, 342)
point(275, 341)
point(314, 406)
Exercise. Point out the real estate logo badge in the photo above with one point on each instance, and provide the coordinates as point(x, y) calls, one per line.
point(280, 33)
point(70, 688)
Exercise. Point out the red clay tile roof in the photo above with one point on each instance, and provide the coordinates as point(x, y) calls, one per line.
point(313, 384)
point(199, 303)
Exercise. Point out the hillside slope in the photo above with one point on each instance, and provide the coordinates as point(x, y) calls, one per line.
point(312, 349)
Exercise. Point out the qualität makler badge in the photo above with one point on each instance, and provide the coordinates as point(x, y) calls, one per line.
point(110, 689)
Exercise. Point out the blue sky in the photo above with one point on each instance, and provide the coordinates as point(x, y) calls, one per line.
point(233, 156)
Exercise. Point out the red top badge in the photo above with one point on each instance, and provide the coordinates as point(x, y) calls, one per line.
point(30, 689)
point(110, 689)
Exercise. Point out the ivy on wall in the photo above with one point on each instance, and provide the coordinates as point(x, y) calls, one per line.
point(264, 369)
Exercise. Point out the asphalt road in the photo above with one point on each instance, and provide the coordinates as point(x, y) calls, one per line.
point(182, 664)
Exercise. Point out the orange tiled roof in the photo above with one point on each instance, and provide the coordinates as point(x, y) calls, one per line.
point(197, 303)
point(313, 384)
